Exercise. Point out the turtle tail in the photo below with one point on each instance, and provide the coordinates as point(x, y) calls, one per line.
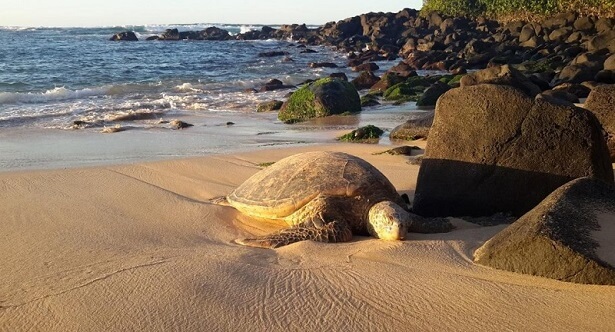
point(335, 231)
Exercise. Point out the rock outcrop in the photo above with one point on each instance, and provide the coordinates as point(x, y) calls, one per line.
point(494, 149)
point(124, 36)
point(569, 236)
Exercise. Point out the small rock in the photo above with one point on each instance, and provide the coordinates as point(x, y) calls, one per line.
point(178, 124)
point(269, 106)
point(322, 65)
point(403, 150)
point(115, 129)
point(369, 133)
point(272, 54)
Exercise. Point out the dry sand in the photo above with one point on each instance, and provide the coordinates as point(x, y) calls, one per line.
point(138, 247)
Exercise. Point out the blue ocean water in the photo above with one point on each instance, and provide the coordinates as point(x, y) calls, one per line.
point(50, 77)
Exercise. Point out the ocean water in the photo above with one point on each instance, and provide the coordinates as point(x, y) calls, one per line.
point(52, 77)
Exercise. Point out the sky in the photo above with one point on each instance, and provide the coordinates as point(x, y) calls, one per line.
point(66, 13)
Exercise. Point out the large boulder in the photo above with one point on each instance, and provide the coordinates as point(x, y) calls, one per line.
point(124, 36)
point(493, 149)
point(601, 101)
point(569, 236)
point(502, 75)
point(324, 97)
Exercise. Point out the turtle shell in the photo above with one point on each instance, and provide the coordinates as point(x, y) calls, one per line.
point(282, 188)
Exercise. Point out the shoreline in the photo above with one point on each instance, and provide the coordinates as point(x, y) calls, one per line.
point(31, 149)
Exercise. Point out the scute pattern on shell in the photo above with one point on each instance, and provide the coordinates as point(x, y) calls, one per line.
point(290, 183)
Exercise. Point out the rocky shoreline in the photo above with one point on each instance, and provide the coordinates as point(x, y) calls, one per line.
point(563, 48)
point(565, 52)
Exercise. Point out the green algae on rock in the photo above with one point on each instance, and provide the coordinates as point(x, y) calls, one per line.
point(367, 134)
point(324, 97)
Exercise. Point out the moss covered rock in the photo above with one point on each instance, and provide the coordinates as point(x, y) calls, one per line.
point(369, 100)
point(324, 97)
point(386, 81)
point(412, 89)
point(367, 134)
point(269, 106)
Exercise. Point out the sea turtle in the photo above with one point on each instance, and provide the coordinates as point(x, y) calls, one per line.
point(327, 197)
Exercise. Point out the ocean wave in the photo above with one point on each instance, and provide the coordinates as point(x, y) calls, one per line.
point(55, 94)
point(62, 93)
point(186, 87)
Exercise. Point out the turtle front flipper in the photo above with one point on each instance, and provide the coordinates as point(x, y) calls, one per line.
point(335, 231)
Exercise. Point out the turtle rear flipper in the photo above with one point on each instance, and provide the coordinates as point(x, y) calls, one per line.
point(336, 231)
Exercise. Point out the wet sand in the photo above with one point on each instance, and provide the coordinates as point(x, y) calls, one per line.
point(148, 140)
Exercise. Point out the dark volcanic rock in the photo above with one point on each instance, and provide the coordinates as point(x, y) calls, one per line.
point(369, 66)
point(322, 65)
point(605, 76)
point(585, 23)
point(431, 94)
point(269, 106)
point(602, 41)
point(576, 74)
point(369, 100)
point(365, 80)
point(211, 33)
point(502, 75)
point(386, 81)
point(561, 94)
point(275, 84)
point(566, 237)
point(339, 75)
point(415, 128)
point(324, 97)
point(124, 36)
point(578, 90)
point(604, 24)
point(265, 32)
point(601, 102)
point(493, 149)
point(170, 34)
point(270, 54)
point(214, 33)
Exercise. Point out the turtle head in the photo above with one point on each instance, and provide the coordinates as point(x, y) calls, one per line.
point(388, 221)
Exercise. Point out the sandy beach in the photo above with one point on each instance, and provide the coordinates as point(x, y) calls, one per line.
point(139, 247)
